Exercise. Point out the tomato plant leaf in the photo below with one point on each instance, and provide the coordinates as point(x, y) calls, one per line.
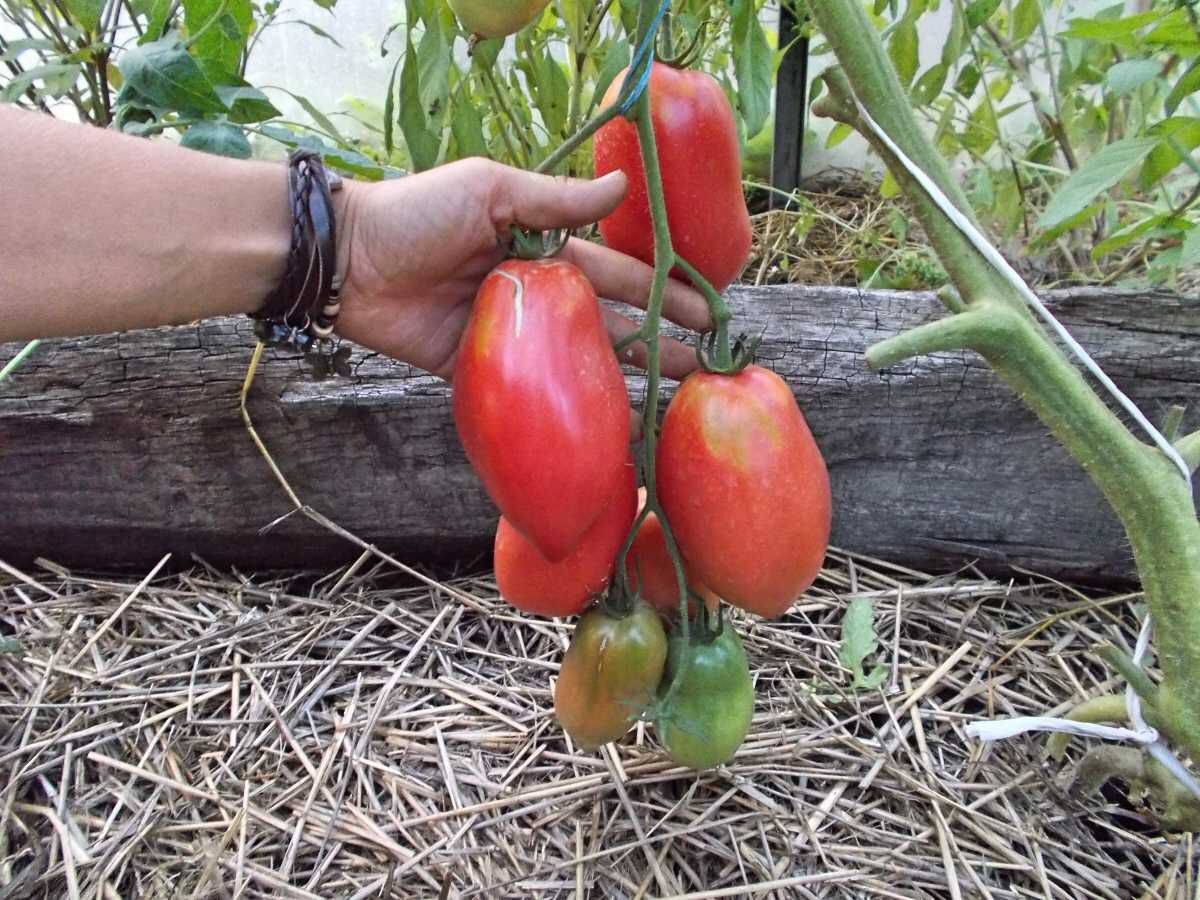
point(389, 110)
point(225, 24)
point(979, 11)
point(466, 127)
point(903, 48)
point(1101, 171)
point(344, 160)
point(1026, 18)
point(858, 643)
point(1110, 30)
point(1181, 135)
point(166, 75)
point(422, 143)
point(220, 138)
point(1188, 84)
point(752, 61)
point(86, 13)
point(57, 78)
point(1127, 235)
point(246, 103)
point(1129, 75)
point(929, 85)
point(837, 134)
point(616, 58)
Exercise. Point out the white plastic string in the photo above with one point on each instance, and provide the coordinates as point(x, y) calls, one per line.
point(981, 244)
point(1000, 729)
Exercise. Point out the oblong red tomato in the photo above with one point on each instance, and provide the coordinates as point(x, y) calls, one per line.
point(700, 159)
point(540, 402)
point(745, 488)
point(649, 570)
point(531, 583)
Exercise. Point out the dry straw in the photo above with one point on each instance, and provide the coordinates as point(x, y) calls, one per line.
point(360, 734)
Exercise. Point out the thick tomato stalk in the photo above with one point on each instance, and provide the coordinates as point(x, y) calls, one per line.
point(649, 570)
point(540, 402)
point(698, 152)
point(530, 582)
point(609, 673)
point(708, 699)
point(744, 487)
point(496, 18)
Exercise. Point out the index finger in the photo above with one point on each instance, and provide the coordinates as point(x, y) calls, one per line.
point(619, 277)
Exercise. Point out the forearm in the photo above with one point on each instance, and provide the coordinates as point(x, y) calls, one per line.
point(103, 232)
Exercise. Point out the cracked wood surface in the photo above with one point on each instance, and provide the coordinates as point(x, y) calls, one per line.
point(115, 449)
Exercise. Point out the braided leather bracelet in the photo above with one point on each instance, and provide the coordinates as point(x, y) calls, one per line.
point(301, 311)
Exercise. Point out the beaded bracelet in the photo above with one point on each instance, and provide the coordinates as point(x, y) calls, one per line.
point(301, 311)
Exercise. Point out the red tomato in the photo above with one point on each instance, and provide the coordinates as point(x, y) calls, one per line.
point(648, 566)
point(745, 488)
point(540, 402)
point(529, 582)
point(701, 167)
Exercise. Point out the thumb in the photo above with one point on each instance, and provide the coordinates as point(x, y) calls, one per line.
point(544, 202)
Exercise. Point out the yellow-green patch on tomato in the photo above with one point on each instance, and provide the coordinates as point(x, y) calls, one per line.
point(496, 18)
point(609, 673)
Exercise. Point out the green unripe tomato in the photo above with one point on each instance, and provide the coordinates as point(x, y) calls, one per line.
point(609, 674)
point(496, 18)
point(707, 717)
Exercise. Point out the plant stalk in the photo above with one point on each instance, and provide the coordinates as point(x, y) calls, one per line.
point(1153, 502)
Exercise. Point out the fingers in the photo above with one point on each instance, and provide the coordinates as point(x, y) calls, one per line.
point(619, 277)
point(676, 360)
point(544, 202)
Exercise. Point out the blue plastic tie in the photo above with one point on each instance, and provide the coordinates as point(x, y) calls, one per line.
point(642, 58)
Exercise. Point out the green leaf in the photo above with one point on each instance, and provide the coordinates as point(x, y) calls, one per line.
point(1026, 18)
point(466, 127)
point(422, 143)
point(319, 32)
point(859, 643)
point(433, 57)
point(1181, 135)
point(1176, 31)
point(23, 45)
point(246, 103)
point(967, 81)
point(225, 24)
point(904, 49)
point(163, 73)
point(1126, 77)
point(389, 110)
point(551, 92)
point(616, 58)
point(323, 121)
point(1188, 84)
point(1127, 235)
point(1109, 30)
point(57, 79)
point(954, 37)
point(837, 134)
point(219, 138)
point(1101, 171)
point(343, 160)
point(157, 18)
point(752, 61)
point(979, 11)
point(929, 85)
point(1189, 254)
point(86, 13)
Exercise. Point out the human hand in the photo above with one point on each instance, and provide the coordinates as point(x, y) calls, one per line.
point(414, 251)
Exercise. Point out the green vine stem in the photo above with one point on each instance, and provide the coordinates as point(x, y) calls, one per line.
point(1144, 488)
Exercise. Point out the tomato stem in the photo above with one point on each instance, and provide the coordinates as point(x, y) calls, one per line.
point(717, 308)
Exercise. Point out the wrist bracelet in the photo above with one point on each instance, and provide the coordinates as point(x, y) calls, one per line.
point(301, 311)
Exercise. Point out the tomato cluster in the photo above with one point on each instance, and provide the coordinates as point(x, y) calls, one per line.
point(543, 413)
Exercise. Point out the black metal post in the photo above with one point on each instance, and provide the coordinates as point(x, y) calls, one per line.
point(791, 107)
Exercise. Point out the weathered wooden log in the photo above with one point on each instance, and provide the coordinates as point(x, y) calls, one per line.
point(116, 449)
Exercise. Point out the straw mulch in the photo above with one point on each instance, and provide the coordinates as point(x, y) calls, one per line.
point(360, 735)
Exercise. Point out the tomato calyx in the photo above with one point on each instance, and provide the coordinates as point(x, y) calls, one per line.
point(708, 353)
point(537, 244)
